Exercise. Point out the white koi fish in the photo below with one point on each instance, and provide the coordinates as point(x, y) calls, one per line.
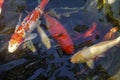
point(23, 29)
point(44, 38)
point(87, 55)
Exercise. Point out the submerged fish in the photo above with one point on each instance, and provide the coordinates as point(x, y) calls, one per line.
point(87, 33)
point(44, 38)
point(23, 29)
point(1, 4)
point(59, 33)
point(90, 31)
point(30, 45)
point(110, 34)
point(87, 55)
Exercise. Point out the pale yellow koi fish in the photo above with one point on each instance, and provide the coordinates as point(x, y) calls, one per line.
point(87, 55)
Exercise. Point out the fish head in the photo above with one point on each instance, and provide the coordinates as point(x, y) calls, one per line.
point(77, 58)
point(14, 43)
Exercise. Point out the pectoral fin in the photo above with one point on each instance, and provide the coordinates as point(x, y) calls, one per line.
point(30, 37)
point(19, 22)
point(38, 23)
point(31, 46)
point(90, 64)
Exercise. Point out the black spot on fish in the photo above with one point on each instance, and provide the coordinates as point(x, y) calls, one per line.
point(97, 37)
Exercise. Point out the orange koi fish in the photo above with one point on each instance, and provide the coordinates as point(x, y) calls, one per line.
point(110, 34)
point(23, 29)
point(59, 33)
point(1, 4)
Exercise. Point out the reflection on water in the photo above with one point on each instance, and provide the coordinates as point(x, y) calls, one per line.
point(53, 63)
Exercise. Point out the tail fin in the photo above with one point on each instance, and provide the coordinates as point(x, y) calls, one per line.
point(118, 38)
point(43, 4)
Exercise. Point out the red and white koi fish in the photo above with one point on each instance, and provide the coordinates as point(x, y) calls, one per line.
point(23, 29)
point(110, 34)
point(87, 55)
point(1, 4)
point(59, 33)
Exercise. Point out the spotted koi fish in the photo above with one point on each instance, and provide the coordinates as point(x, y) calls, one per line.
point(23, 29)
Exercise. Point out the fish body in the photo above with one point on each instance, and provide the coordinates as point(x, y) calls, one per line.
point(87, 55)
point(59, 33)
point(87, 33)
point(44, 38)
point(110, 34)
point(1, 4)
point(23, 29)
point(90, 31)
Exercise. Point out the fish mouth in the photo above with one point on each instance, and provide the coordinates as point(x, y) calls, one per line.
point(10, 50)
point(77, 58)
point(74, 59)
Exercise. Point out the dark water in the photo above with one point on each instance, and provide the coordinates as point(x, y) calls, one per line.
point(54, 64)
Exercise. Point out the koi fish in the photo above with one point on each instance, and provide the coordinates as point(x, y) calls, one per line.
point(23, 29)
point(1, 4)
point(90, 31)
point(87, 55)
point(59, 33)
point(110, 34)
point(44, 38)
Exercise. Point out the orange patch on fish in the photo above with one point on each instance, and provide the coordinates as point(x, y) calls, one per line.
point(111, 34)
point(36, 14)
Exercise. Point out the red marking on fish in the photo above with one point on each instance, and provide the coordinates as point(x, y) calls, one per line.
point(28, 24)
point(1, 4)
point(90, 31)
point(59, 33)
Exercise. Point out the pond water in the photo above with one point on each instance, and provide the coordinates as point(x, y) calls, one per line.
point(53, 63)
